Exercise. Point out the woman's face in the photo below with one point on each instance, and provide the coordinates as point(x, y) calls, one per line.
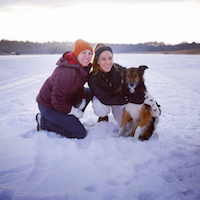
point(84, 57)
point(105, 61)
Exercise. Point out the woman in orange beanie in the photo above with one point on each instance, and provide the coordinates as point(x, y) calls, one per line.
point(63, 98)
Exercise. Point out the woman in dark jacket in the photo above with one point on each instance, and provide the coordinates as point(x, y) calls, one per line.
point(63, 97)
point(106, 83)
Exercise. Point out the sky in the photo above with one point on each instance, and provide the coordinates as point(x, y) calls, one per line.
point(110, 21)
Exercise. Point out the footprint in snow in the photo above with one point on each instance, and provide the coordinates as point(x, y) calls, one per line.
point(91, 188)
point(29, 134)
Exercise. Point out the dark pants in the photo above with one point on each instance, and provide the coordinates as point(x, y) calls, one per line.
point(62, 123)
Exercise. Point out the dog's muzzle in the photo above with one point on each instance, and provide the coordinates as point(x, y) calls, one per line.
point(132, 87)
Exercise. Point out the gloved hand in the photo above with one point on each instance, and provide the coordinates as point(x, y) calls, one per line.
point(81, 105)
point(137, 98)
point(149, 100)
point(76, 112)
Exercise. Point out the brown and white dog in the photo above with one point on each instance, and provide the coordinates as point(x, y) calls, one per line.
point(144, 117)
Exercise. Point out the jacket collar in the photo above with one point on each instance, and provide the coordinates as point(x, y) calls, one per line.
point(112, 72)
point(68, 59)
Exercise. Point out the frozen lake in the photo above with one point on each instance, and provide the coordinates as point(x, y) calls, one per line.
point(182, 69)
point(43, 166)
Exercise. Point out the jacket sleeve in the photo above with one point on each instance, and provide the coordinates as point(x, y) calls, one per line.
point(100, 93)
point(81, 94)
point(61, 84)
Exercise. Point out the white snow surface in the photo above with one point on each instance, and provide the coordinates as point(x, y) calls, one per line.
point(45, 166)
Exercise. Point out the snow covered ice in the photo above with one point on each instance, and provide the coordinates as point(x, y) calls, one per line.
point(45, 166)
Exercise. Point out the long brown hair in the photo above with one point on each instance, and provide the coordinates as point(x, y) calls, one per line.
point(96, 67)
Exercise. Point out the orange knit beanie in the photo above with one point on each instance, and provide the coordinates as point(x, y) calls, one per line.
point(81, 45)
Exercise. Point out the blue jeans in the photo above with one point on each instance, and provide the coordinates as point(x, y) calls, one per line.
point(62, 123)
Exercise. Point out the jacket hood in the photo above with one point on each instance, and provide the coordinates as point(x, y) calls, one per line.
point(67, 59)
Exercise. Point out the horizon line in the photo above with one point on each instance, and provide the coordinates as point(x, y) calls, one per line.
point(54, 41)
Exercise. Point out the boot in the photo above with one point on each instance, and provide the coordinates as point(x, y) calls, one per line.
point(103, 119)
point(38, 120)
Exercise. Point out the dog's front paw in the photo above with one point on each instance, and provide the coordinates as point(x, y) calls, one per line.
point(118, 134)
point(137, 134)
point(120, 131)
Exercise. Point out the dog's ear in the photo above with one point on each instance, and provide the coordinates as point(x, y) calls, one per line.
point(142, 68)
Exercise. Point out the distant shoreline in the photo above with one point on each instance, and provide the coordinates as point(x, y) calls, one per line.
point(188, 51)
point(31, 48)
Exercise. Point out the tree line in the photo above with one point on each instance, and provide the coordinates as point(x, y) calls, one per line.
point(27, 47)
point(153, 47)
point(20, 47)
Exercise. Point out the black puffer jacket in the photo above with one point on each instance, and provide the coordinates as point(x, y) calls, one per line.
point(107, 87)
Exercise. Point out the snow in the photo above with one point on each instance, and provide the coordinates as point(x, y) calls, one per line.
point(45, 166)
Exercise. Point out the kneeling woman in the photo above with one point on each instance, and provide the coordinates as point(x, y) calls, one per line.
point(105, 82)
point(63, 97)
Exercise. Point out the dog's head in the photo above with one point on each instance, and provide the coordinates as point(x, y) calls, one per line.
point(134, 78)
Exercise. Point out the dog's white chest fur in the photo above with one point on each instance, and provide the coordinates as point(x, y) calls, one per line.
point(134, 110)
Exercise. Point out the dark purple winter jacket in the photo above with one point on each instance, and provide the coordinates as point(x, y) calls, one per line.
point(66, 82)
